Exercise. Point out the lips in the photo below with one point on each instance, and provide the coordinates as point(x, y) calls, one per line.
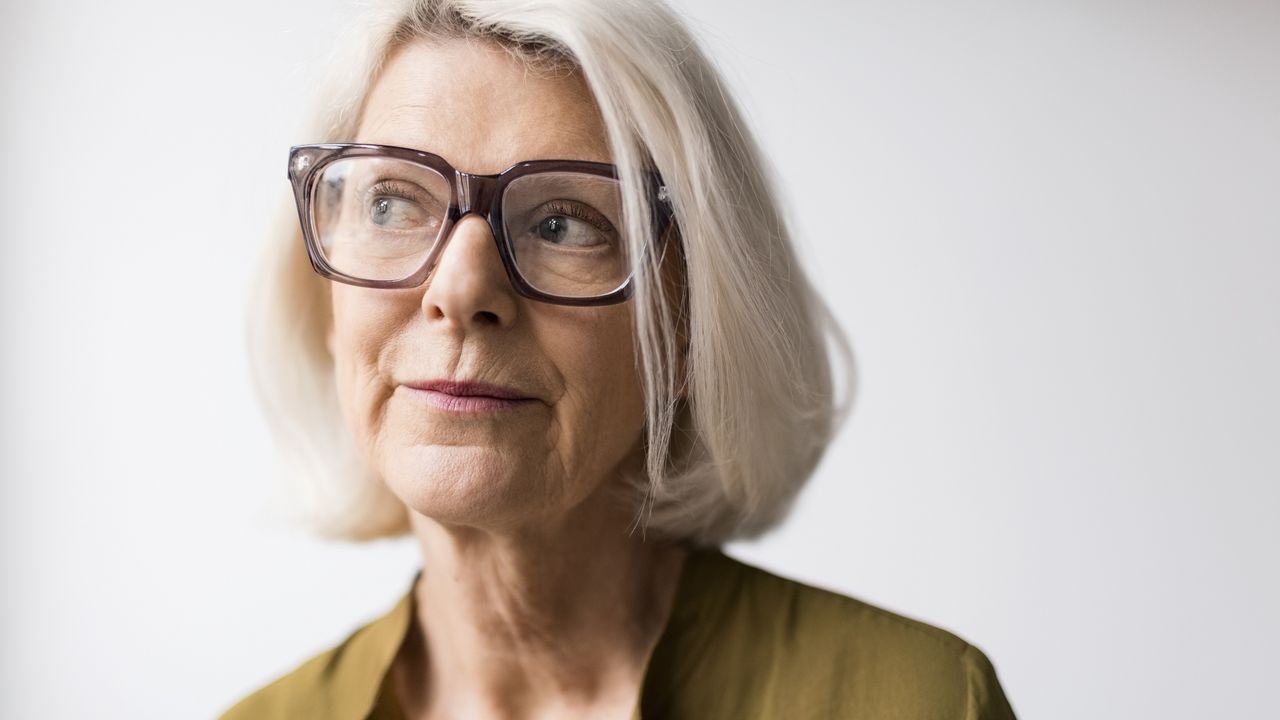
point(469, 389)
point(466, 398)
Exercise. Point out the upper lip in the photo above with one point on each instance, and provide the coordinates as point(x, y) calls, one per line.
point(464, 388)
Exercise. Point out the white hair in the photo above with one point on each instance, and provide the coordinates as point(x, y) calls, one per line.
point(740, 392)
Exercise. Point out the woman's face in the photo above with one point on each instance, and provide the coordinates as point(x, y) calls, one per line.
point(483, 111)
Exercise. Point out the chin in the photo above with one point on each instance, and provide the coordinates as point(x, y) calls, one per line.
point(464, 485)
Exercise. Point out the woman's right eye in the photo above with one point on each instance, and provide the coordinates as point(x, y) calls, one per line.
point(397, 213)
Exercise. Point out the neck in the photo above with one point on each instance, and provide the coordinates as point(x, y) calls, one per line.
point(544, 620)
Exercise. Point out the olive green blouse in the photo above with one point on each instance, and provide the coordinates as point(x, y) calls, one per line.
point(740, 643)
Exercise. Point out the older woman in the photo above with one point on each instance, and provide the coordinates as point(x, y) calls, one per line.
point(549, 321)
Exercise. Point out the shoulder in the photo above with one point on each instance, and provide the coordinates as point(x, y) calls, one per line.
point(832, 652)
point(341, 682)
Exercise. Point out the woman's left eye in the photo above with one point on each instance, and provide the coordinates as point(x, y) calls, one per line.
point(569, 231)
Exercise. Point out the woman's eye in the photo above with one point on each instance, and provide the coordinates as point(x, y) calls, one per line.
point(564, 230)
point(397, 213)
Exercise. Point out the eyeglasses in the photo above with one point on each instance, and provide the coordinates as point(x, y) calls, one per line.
point(379, 216)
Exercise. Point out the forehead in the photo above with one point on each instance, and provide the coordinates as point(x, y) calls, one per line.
point(480, 108)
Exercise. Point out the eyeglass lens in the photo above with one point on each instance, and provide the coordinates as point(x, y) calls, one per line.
point(380, 218)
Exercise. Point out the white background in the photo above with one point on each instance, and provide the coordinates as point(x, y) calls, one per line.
point(1051, 229)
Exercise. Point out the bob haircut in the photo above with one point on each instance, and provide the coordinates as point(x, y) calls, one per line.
point(739, 389)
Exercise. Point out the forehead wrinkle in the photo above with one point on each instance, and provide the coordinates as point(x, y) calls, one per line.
point(385, 123)
point(504, 143)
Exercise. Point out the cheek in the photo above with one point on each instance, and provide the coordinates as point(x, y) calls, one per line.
point(362, 323)
point(601, 413)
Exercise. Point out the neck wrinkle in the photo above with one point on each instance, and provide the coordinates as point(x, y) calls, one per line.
point(506, 623)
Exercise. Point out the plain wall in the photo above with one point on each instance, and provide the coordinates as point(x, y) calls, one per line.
point(1052, 231)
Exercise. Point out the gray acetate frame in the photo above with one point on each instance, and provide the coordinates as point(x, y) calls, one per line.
point(469, 193)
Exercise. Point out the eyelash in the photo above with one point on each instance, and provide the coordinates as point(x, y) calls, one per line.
point(558, 207)
point(391, 189)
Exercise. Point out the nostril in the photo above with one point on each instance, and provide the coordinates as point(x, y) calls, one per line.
point(485, 317)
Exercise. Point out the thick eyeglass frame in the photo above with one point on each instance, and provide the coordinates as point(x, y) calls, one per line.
point(468, 193)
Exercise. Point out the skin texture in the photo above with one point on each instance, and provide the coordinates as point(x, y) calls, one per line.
point(534, 601)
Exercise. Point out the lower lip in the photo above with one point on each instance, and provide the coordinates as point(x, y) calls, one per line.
point(465, 403)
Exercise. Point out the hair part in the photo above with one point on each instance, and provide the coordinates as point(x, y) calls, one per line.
point(741, 398)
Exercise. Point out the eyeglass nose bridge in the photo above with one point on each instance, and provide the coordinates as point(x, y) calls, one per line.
point(476, 194)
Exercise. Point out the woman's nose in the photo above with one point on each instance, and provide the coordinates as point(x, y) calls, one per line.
point(468, 288)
